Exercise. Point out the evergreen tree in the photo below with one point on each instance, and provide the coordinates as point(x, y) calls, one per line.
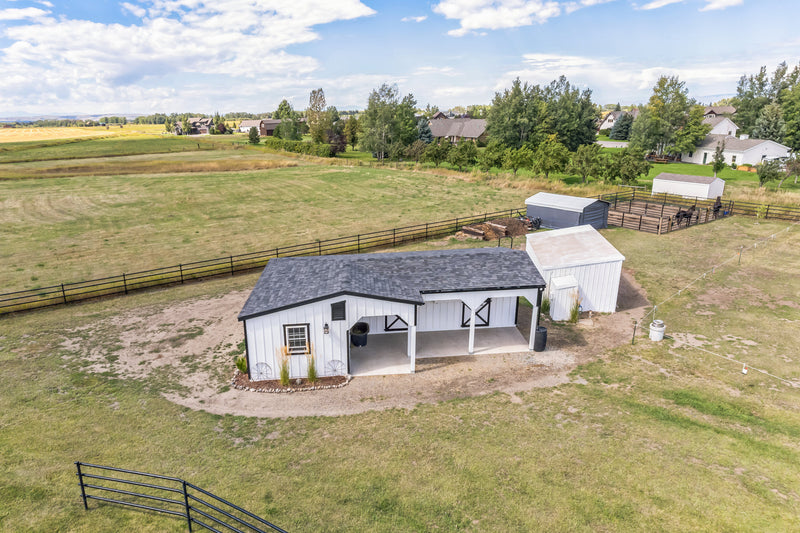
point(621, 130)
point(719, 158)
point(253, 136)
point(424, 131)
point(405, 121)
point(770, 124)
point(791, 117)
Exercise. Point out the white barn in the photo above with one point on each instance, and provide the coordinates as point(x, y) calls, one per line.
point(737, 151)
point(688, 186)
point(302, 302)
point(577, 262)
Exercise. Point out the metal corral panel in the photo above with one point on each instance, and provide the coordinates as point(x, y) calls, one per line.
point(265, 333)
point(563, 295)
point(586, 255)
point(561, 211)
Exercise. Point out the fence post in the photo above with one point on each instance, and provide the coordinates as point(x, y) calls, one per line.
point(180, 268)
point(394, 237)
point(426, 231)
point(63, 293)
point(319, 247)
point(455, 229)
point(83, 489)
point(276, 252)
point(124, 283)
point(186, 506)
point(231, 265)
point(766, 214)
point(358, 243)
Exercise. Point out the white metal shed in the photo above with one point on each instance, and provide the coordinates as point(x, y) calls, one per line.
point(582, 253)
point(689, 186)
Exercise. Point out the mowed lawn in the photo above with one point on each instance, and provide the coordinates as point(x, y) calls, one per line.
point(68, 229)
point(651, 437)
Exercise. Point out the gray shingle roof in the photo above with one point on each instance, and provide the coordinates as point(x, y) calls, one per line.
point(731, 143)
point(685, 178)
point(468, 128)
point(291, 281)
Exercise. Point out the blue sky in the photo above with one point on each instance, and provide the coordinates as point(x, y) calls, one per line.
point(146, 56)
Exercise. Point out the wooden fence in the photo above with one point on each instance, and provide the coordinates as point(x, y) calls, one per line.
point(124, 283)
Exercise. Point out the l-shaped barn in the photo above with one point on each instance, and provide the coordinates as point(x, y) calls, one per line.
point(303, 304)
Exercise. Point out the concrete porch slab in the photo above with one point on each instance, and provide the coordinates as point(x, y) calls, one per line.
point(385, 353)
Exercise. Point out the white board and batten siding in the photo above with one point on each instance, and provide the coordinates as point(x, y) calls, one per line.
point(585, 255)
point(688, 186)
point(446, 315)
point(267, 331)
point(563, 294)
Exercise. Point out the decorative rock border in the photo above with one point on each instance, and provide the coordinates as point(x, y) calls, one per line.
point(289, 390)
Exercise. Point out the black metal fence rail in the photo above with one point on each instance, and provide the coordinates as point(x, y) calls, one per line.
point(167, 495)
point(128, 282)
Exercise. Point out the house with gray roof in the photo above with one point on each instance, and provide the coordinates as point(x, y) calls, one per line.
point(265, 126)
point(455, 129)
point(407, 301)
point(719, 110)
point(737, 150)
point(721, 125)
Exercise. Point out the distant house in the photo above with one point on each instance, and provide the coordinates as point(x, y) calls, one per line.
point(719, 110)
point(200, 125)
point(737, 151)
point(265, 126)
point(721, 126)
point(438, 115)
point(608, 121)
point(689, 186)
point(455, 129)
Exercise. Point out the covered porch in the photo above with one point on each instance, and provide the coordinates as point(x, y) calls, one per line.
point(388, 353)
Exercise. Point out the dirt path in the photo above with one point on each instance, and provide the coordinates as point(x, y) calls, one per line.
point(194, 343)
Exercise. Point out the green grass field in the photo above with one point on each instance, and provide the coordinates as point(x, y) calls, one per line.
point(658, 437)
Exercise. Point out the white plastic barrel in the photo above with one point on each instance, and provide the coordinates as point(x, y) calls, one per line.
point(657, 328)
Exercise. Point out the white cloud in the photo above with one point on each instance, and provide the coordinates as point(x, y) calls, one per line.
point(475, 15)
point(84, 65)
point(25, 13)
point(571, 7)
point(439, 71)
point(656, 4)
point(414, 19)
point(721, 4)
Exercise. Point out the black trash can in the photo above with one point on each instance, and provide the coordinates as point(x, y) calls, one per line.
point(358, 334)
point(540, 339)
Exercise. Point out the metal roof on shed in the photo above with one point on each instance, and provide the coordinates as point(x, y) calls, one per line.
point(560, 201)
point(685, 178)
point(291, 281)
point(576, 246)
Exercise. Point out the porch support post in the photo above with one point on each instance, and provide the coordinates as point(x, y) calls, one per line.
point(471, 348)
point(534, 324)
point(412, 346)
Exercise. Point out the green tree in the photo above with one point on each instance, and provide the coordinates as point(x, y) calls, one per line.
point(769, 171)
point(667, 112)
point(168, 127)
point(415, 150)
point(692, 133)
point(587, 161)
point(621, 131)
point(551, 156)
point(317, 118)
point(770, 124)
point(626, 165)
point(289, 128)
point(571, 114)
point(406, 121)
point(793, 167)
point(253, 136)
point(719, 158)
point(517, 158)
point(378, 120)
point(755, 92)
point(465, 154)
point(436, 152)
point(518, 115)
point(491, 157)
point(351, 129)
point(791, 116)
point(424, 131)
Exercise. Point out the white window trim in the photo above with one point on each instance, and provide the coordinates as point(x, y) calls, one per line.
point(296, 349)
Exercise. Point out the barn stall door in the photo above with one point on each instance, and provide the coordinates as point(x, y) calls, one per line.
point(482, 315)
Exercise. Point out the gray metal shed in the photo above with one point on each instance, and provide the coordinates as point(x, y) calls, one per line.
point(559, 211)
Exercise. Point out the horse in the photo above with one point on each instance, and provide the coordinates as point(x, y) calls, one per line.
point(684, 214)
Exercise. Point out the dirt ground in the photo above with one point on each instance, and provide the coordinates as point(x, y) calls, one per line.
point(193, 346)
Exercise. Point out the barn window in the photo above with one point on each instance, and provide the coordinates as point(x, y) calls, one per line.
point(296, 338)
point(338, 311)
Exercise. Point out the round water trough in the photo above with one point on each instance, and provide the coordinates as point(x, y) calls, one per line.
point(358, 334)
